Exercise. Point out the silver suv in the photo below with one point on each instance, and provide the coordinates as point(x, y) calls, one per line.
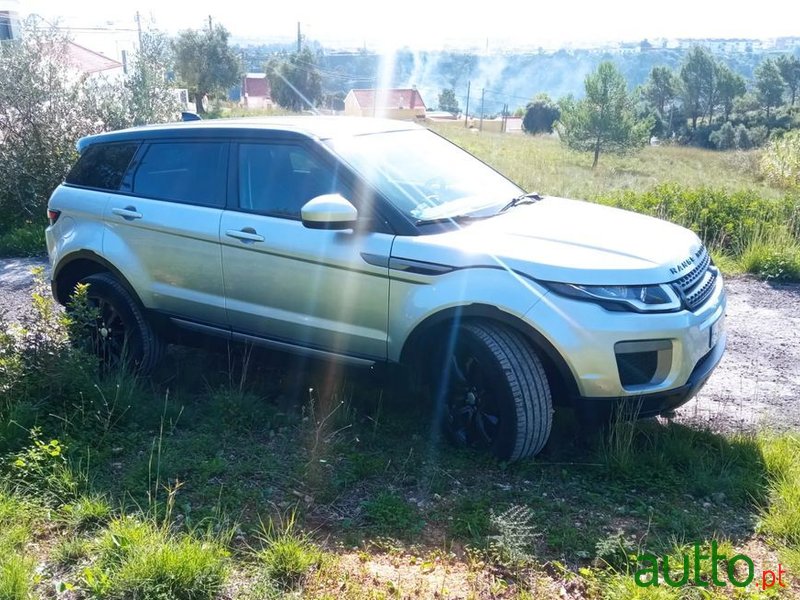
point(371, 241)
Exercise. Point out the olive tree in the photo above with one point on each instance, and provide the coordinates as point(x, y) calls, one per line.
point(205, 62)
point(294, 80)
point(47, 104)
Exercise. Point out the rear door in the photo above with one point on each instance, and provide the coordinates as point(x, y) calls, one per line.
point(162, 230)
point(306, 287)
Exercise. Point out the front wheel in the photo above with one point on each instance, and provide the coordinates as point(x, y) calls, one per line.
point(494, 392)
point(117, 329)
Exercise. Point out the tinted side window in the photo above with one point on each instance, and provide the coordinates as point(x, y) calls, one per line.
point(278, 179)
point(187, 172)
point(102, 166)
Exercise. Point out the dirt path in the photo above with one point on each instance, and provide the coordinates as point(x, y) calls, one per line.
point(757, 384)
point(16, 285)
point(758, 380)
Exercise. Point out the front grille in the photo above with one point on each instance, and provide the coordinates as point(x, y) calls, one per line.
point(698, 284)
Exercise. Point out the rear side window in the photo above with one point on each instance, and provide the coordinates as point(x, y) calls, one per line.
point(102, 166)
point(186, 172)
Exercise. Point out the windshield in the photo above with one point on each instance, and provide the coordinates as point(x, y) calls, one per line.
point(424, 175)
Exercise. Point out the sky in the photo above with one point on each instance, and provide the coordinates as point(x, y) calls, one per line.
point(435, 25)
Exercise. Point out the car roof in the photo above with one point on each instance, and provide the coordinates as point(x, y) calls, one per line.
point(317, 127)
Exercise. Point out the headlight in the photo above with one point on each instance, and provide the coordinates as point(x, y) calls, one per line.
point(638, 298)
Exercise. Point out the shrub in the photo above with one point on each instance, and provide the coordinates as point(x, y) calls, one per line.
point(40, 470)
point(541, 113)
point(723, 138)
point(743, 140)
point(515, 535)
point(772, 260)
point(26, 239)
point(780, 164)
point(725, 220)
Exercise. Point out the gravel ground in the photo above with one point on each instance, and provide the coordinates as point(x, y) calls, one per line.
point(758, 381)
point(16, 285)
point(757, 384)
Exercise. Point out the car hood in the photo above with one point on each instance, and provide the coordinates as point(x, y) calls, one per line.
point(568, 241)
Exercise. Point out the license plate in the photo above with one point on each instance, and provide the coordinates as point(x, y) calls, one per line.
point(717, 330)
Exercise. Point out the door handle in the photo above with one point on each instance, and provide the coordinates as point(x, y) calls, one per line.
point(247, 234)
point(128, 213)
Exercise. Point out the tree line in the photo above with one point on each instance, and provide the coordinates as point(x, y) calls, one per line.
point(703, 103)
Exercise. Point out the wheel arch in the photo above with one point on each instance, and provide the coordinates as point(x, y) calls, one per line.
point(78, 265)
point(560, 377)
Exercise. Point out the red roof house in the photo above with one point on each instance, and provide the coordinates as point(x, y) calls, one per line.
point(396, 103)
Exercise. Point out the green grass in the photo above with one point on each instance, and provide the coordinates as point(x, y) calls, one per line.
point(16, 577)
point(543, 164)
point(17, 520)
point(86, 513)
point(781, 518)
point(137, 559)
point(71, 550)
point(288, 554)
point(389, 514)
point(372, 500)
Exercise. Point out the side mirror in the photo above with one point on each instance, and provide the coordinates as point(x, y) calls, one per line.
point(329, 211)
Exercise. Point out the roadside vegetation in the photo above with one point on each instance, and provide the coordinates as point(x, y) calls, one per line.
point(243, 475)
point(750, 220)
point(742, 201)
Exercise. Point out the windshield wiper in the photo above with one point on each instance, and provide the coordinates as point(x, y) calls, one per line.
point(450, 219)
point(523, 199)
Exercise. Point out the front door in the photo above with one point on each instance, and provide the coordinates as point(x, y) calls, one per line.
point(309, 287)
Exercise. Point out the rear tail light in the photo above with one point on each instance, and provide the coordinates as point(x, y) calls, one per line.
point(52, 215)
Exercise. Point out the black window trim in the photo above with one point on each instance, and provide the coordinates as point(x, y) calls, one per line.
point(132, 161)
point(135, 163)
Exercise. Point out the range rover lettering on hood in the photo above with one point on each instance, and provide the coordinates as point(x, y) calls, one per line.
point(680, 267)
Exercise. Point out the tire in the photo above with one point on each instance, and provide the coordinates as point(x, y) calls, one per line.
point(121, 336)
point(494, 393)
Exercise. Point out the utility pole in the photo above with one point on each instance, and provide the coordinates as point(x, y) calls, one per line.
point(299, 37)
point(466, 112)
point(480, 126)
point(139, 28)
point(210, 24)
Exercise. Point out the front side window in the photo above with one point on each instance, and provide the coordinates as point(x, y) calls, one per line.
point(425, 176)
point(278, 179)
point(186, 172)
point(102, 166)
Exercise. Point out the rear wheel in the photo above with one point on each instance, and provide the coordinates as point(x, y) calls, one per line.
point(494, 392)
point(117, 330)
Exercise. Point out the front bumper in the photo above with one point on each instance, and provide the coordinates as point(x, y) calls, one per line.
point(588, 338)
point(651, 405)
